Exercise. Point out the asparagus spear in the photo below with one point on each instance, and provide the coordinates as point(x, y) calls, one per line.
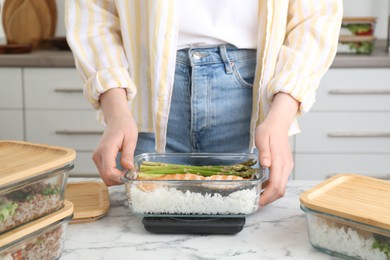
point(157, 169)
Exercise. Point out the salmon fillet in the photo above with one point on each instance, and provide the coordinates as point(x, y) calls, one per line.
point(149, 186)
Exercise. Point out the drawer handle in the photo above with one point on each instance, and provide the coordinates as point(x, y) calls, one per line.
point(68, 90)
point(78, 132)
point(359, 91)
point(359, 134)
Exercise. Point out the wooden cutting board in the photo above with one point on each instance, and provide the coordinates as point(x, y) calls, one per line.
point(29, 21)
point(90, 200)
point(52, 7)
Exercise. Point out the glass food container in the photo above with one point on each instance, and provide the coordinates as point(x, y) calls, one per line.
point(154, 191)
point(39, 239)
point(32, 181)
point(356, 44)
point(349, 216)
point(358, 26)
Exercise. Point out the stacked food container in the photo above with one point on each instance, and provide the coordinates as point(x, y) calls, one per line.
point(357, 35)
point(349, 216)
point(33, 212)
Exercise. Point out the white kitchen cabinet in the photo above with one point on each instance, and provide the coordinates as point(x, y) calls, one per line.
point(348, 129)
point(11, 125)
point(313, 166)
point(54, 88)
point(11, 104)
point(57, 113)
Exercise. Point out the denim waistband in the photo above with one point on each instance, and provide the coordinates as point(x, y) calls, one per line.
point(213, 54)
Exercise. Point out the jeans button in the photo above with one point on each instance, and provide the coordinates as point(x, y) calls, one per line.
point(196, 55)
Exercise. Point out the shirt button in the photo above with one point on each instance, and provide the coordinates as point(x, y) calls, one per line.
point(196, 55)
point(161, 93)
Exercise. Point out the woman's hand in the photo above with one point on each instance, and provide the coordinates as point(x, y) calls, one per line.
point(120, 135)
point(274, 147)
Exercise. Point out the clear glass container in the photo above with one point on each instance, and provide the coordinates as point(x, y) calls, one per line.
point(32, 198)
point(186, 195)
point(40, 239)
point(346, 238)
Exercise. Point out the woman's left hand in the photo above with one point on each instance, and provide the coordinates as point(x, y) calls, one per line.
point(272, 141)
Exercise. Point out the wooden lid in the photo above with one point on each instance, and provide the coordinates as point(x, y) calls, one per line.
point(358, 19)
point(359, 198)
point(36, 225)
point(353, 38)
point(22, 160)
point(90, 200)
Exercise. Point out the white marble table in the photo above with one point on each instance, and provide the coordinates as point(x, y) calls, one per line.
point(277, 231)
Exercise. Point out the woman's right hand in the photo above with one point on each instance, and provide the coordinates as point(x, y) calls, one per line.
point(120, 135)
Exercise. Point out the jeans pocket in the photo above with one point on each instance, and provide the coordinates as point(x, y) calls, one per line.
point(244, 71)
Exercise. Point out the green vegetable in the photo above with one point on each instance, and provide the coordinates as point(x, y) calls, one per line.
point(7, 209)
point(156, 169)
point(358, 29)
point(50, 190)
point(383, 244)
point(361, 47)
point(19, 195)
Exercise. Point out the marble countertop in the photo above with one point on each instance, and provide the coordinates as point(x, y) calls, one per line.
point(277, 231)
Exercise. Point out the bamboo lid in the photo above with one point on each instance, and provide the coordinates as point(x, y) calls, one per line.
point(369, 19)
point(359, 198)
point(22, 160)
point(36, 225)
point(90, 200)
point(353, 38)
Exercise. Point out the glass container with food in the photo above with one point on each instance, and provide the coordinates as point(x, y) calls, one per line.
point(194, 185)
point(40, 239)
point(349, 216)
point(32, 181)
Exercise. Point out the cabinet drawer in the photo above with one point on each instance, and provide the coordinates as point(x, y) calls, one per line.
point(354, 90)
point(344, 132)
point(84, 166)
point(11, 124)
point(11, 94)
point(321, 166)
point(76, 129)
point(58, 88)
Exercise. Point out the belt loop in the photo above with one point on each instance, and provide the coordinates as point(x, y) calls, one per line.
point(225, 59)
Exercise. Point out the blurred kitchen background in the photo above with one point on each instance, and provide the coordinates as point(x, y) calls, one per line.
point(346, 131)
point(360, 8)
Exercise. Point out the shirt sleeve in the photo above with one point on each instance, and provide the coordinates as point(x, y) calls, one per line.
point(309, 48)
point(93, 34)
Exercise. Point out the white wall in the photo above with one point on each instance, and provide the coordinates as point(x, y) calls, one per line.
point(378, 8)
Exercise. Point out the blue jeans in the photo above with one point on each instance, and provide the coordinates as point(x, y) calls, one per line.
point(211, 103)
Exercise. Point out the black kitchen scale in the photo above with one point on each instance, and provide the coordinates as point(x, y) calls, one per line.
point(194, 225)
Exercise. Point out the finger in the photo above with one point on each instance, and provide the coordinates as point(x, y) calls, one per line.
point(127, 157)
point(97, 159)
point(265, 152)
point(274, 188)
point(111, 175)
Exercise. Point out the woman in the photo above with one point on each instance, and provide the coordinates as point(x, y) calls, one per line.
point(201, 75)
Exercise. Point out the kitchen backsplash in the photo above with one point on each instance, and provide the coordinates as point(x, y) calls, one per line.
point(378, 8)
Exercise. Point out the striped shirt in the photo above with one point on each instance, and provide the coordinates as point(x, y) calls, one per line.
point(132, 44)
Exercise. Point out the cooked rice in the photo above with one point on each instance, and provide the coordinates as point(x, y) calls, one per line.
point(46, 246)
point(164, 200)
point(343, 239)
